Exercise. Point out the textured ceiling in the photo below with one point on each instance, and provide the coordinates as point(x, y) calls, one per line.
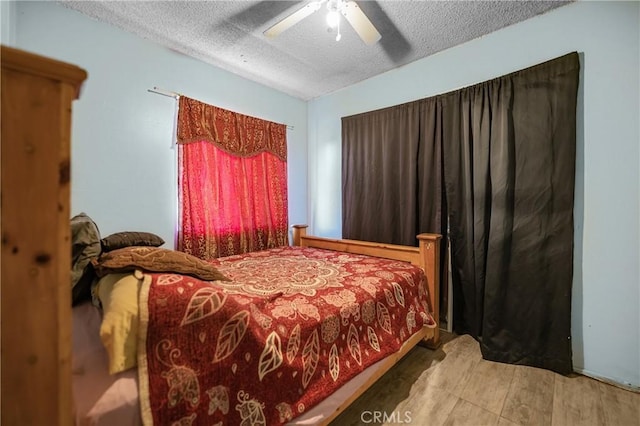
point(305, 61)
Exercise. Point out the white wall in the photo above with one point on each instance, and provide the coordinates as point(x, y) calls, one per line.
point(123, 166)
point(7, 21)
point(606, 297)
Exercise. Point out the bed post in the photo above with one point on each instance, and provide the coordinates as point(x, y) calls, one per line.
point(299, 231)
point(429, 245)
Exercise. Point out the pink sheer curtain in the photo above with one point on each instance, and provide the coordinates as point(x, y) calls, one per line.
point(233, 182)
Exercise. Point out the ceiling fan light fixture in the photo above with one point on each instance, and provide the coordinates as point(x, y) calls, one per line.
point(333, 18)
point(347, 8)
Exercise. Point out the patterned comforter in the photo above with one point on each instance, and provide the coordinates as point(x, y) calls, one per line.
point(292, 326)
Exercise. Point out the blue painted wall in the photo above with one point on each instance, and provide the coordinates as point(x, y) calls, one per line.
point(123, 164)
point(124, 171)
point(606, 295)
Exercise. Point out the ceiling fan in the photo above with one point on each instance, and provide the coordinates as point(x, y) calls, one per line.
point(347, 8)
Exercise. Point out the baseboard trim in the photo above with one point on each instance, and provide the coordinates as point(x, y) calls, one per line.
point(625, 386)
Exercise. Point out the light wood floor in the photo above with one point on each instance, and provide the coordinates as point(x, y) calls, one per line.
point(455, 386)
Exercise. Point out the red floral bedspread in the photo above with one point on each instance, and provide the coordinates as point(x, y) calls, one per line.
point(292, 327)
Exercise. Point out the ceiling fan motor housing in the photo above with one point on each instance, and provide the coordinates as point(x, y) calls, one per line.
point(348, 8)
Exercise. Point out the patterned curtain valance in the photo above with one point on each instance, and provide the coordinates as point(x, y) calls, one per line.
point(235, 133)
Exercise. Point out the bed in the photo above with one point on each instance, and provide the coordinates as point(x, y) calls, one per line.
point(256, 351)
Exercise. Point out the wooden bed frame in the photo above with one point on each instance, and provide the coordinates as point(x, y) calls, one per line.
point(36, 318)
point(426, 256)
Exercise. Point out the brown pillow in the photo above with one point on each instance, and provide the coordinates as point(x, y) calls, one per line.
point(155, 259)
point(127, 239)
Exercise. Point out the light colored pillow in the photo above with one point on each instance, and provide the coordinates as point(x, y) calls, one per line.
point(119, 294)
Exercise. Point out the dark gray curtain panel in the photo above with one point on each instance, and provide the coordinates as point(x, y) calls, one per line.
point(509, 161)
point(379, 175)
point(498, 161)
point(392, 178)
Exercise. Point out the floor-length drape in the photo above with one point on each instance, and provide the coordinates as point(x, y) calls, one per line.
point(432, 206)
point(497, 160)
point(509, 161)
point(388, 196)
point(232, 182)
point(379, 175)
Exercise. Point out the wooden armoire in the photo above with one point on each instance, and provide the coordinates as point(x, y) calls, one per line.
point(35, 291)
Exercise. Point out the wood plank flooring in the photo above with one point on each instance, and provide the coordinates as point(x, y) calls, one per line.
point(455, 386)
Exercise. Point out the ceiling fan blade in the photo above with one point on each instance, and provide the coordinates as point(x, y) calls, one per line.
point(292, 19)
point(360, 23)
